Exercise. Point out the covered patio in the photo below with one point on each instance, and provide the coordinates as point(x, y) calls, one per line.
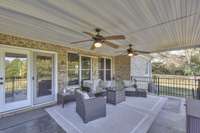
point(52, 52)
point(171, 118)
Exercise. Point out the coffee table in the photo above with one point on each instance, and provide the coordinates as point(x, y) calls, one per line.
point(65, 97)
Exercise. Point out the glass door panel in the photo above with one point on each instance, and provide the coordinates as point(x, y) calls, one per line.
point(14, 81)
point(44, 73)
point(15, 77)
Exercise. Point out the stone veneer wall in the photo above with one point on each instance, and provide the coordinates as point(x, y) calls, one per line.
point(61, 51)
point(122, 66)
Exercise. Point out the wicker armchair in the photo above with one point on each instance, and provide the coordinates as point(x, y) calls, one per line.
point(90, 109)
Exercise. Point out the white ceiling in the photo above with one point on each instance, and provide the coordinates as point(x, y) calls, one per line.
point(151, 25)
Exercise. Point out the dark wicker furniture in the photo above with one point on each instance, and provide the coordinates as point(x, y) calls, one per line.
point(193, 116)
point(90, 109)
point(64, 98)
point(136, 93)
point(115, 96)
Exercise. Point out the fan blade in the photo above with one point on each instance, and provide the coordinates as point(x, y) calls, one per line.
point(120, 51)
point(90, 34)
point(142, 52)
point(115, 37)
point(124, 53)
point(110, 44)
point(92, 47)
point(81, 41)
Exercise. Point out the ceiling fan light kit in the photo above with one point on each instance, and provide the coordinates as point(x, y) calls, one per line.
point(130, 54)
point(99, 40)
point(97, 44)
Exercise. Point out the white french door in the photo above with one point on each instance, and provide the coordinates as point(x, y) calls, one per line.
point(14, 79)
point(44, 78)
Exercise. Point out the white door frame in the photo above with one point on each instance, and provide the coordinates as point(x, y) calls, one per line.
point(17, 104)
point(48, 98)
point(30, 51)
point(1, 86)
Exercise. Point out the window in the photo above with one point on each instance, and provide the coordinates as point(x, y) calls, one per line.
point(78, 64)
point(108, 69)
point(85, 68)
point(101, 68)
point(104, 68)
point(147, 68)
point(73, 69)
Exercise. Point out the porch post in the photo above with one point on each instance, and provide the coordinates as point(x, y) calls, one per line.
point(198, 89)
point(158, 85)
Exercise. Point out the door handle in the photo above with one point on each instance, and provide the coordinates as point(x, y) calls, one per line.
point(1, 78)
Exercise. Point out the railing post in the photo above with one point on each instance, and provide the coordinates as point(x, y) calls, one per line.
point(158, 85)
point(13, 86)
point(198, 89)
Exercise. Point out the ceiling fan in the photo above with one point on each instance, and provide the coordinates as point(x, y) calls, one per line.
point(99, 40)
point(130, 51)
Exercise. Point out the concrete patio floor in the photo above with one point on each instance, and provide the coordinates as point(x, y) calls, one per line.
point(37, 121)
point(135, 115)
point(171, 119)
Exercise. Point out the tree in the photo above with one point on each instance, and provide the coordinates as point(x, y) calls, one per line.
point(187, 63)
point(16, 68)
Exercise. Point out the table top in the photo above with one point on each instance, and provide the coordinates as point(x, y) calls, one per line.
point(65, 94)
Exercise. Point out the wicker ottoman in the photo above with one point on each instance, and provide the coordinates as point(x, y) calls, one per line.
point(115, 96)
point(138, 93)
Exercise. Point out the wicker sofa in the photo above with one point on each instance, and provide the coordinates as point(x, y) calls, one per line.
point(96, 87)
point(90, 108)
point(132, 90)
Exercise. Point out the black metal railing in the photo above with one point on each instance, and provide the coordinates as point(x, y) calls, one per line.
point(179, 86)
point(14, 85)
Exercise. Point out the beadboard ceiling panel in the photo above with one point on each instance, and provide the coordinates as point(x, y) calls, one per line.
point(150, 25)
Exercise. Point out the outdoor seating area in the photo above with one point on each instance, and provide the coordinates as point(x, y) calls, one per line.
point(91, 99)
point(134, 115)
point(99, 66)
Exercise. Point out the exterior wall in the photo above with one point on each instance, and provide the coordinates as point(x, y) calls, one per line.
point(60, 50)
point(141, 70)
point(122, 66)
point(141, 66)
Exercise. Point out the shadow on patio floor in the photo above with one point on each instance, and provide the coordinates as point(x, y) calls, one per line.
point(171, 119)
point(37, 121)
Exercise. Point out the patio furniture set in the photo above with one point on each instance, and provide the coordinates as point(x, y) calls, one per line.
point(91, 105)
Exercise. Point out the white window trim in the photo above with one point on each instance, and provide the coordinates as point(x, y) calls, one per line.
point(71, 52)
point(104, 69)
point(30, 52)
point(80, 66)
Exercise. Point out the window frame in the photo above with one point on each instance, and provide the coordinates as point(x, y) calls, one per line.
point(73, 69)
point(105, 69)
point(79, 67)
